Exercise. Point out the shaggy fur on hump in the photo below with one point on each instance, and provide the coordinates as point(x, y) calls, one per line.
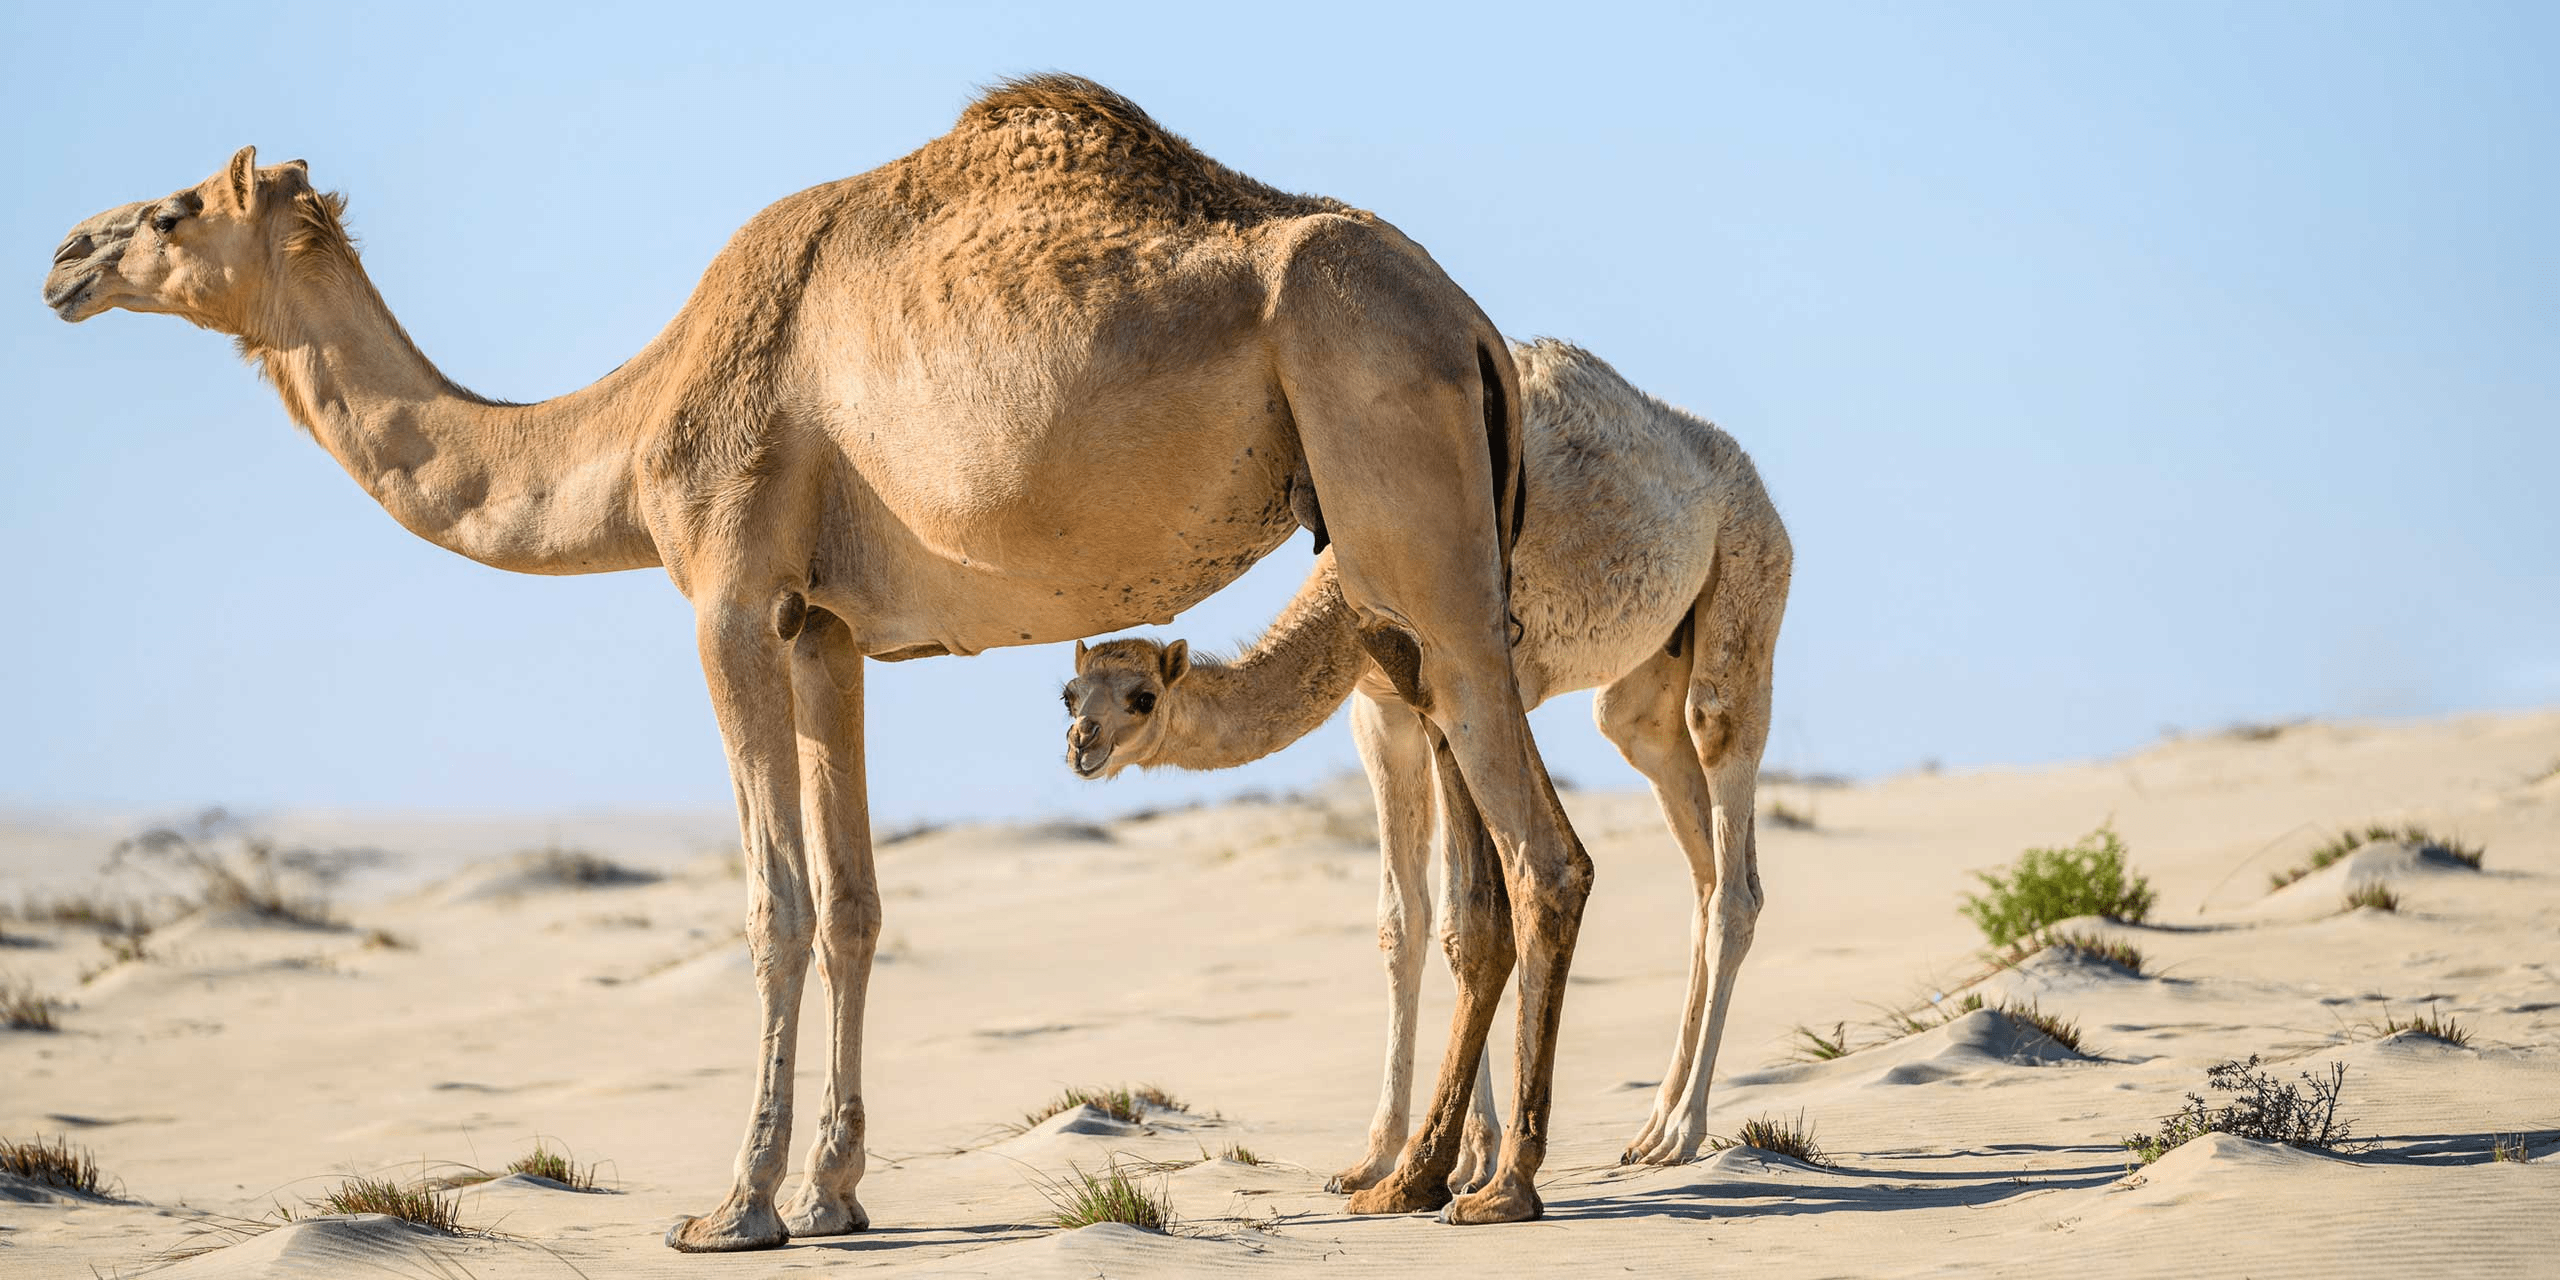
point(1112, 137)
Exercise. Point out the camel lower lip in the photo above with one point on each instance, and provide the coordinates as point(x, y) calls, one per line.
point(64, 305)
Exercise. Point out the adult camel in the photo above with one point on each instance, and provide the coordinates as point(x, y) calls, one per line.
point(1053, 374)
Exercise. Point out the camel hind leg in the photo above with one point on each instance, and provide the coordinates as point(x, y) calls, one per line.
point(1405, 405)
point(1725, 714)
point(1644, 714)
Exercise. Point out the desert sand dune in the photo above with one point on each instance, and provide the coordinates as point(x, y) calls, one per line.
point(470, 999)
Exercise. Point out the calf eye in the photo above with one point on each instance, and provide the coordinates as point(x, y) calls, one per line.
point(1142, 703)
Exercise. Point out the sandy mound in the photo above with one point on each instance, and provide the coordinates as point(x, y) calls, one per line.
point(2322, 892)
point(364, 1244)
point(537, 871)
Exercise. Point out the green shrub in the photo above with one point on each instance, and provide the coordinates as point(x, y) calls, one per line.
point(2049, 885)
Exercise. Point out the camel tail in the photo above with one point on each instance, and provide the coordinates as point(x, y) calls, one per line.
point(1502, 437)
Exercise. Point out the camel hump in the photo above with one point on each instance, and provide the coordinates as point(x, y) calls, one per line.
point(1054, 129)
point(1068, 95)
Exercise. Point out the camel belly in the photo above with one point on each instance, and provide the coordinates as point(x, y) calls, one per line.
point(1039, 531)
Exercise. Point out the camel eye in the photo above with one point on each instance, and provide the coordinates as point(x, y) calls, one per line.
point(1068, 696)
point(165, 223)
point(1142, 702)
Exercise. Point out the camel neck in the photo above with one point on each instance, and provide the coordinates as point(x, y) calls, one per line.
point(538, 488)
point(1275, 692)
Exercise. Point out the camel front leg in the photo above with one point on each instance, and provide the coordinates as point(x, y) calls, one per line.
point(835, 819)
point(743, 661)
point(1397, 756)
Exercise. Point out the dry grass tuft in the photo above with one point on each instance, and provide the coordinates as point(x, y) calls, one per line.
point(55, 1164)
point(1240, 1153)
point(2374, 894)
point(1083, 1199)
point(1127, 1104)
point(2082, 946)
point(22, 1008)
point(2054, 1027)
point(1790, 1138)
point(419, 1204)
point(1817, 1048)
point(543, 1162)
point(2430, 1024)
point(2507, 1148)
point(2427, 843)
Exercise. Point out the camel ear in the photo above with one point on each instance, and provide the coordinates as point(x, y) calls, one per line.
point(240, 180)
point(1080, 652)
point(1176, 662)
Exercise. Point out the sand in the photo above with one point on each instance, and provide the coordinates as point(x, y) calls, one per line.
point(1229, 955)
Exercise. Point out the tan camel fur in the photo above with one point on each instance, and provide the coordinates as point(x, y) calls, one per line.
point(1055, 373)
point(1650, 564)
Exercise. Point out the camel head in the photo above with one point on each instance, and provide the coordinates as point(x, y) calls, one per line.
point(205, 252)
point(1117, 703)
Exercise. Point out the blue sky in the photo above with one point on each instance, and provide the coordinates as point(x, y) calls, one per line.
point(2115, 367)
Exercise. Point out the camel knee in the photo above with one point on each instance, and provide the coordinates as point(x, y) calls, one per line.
point(849, 917)
point(780, 927)
point(1733, 915)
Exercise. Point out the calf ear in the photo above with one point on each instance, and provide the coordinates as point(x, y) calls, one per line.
point(1080, 652)
point(1176, 662)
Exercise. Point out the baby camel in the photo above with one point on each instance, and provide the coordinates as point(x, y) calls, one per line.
point(1650, 564)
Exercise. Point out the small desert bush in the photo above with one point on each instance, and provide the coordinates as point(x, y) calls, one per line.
point(1083, 1199)
point(1125, 1103)
point(419, 1204)
point(107, 915)
point(2048, 885)
point(2430, 1024)
point(2427, 843)
point(1789, 818)
point(2084, 946)
point(22, 1008)
point(55, 1164)
point(2262, 1107)
point(231, 868)
point(2507, 1148)
point(2374, 894)
point(1777, 1136)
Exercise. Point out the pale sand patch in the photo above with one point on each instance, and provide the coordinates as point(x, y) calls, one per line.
point(1229, 954)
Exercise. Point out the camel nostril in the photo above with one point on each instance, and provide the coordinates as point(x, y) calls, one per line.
point(73, 250)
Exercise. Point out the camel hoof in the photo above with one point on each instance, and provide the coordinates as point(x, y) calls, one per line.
point(1399, 1196)
point(810, 1215)
point(1494, 1204)
point(1359, 1177)
point(730, 1230)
